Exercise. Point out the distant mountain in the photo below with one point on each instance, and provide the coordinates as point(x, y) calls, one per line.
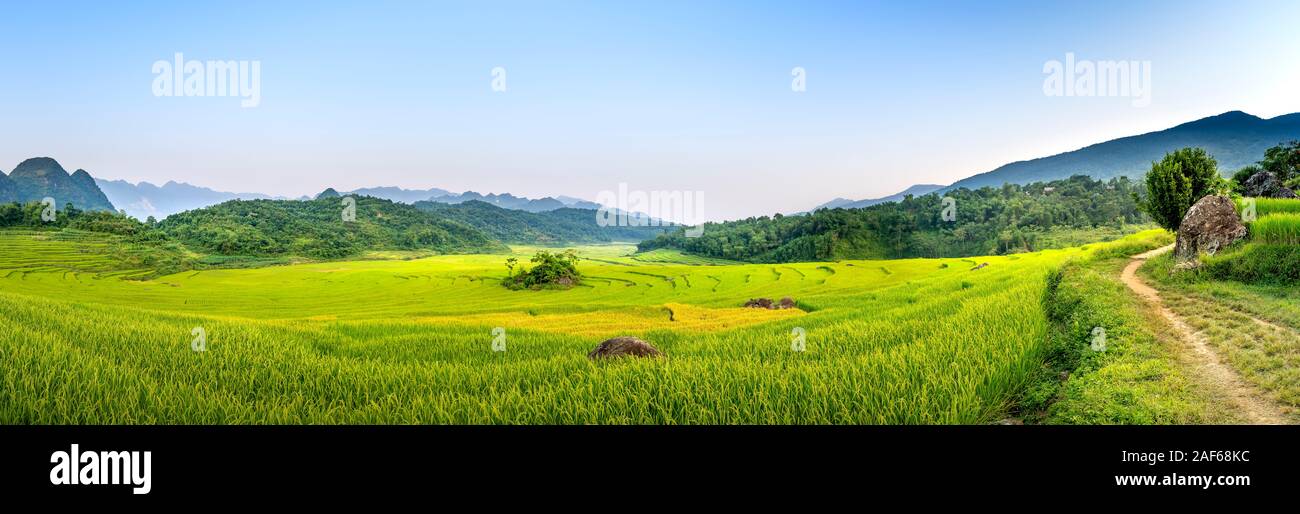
point(505, 201)
point(37, 178)
point(844, 203)
point(144, 199)
point(8, 189)
point(398, 194)
point(578, 203)
point(1235, 139)
point(329, 192)
point(565, 225)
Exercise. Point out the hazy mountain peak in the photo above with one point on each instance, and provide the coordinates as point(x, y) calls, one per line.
point(1234, 138)
point(37, 166)
point(914, 190)
point(40, 177)
point(1226, 119)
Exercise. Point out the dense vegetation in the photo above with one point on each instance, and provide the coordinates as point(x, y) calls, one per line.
point(1284, 161)
point(550, 270)
point(567, 225)
point(69, 216)
point(1002, 220)
point(318, 229)
point(1176, 183)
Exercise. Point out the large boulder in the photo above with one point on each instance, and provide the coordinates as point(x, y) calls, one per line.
point(624, 346)
point(1266, 185)
point(1209, 226)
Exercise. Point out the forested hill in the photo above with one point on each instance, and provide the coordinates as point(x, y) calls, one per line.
point(566, 225)
point(1007, 219)
point(317, 229)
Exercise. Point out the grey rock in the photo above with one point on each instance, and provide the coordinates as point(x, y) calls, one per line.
point(1209, 226)
point(624, 346)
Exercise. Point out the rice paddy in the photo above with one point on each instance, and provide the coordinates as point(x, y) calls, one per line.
point(412, 341)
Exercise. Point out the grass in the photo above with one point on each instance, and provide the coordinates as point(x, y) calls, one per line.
point(92, 339)
point(671, 256)
point(1135, 377)
point(1254, 326)
point(1268, 206)
point(1276, 229)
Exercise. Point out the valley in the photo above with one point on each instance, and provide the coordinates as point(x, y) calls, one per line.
point(409, 341)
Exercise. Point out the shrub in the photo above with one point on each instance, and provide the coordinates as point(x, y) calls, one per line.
point(1176, 183)
point(1242, 175)
point(1283, 160)
point(1256, 264)
point(557, 270)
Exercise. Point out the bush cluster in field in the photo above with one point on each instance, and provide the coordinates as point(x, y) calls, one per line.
point(550, 270)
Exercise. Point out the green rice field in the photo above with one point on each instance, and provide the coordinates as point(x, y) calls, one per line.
point(85, 341)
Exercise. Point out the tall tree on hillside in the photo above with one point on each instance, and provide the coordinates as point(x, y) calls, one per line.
point(1176, 183)
point(1283, 160)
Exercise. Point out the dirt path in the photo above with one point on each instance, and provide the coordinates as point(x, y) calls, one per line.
point(1247, 401)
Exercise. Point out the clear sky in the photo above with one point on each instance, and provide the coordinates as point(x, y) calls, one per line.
point(660, 95)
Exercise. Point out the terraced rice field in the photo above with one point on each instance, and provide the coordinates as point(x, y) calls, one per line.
point(410, 341)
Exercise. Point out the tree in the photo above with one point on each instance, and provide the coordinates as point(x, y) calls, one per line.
point(1242, 175)
point(1176, 183)
point(550, 271)
point(1283, 160)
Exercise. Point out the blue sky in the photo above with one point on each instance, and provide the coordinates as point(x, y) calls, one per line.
point(660, 95)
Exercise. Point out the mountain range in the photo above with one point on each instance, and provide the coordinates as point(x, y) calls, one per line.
point(143, 200)
point(37, 178)
point(844, 203)
point(1235, 139)
point(398, 194)
point(509, 201)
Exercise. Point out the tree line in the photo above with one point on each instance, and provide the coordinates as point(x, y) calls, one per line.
point(1008, 219)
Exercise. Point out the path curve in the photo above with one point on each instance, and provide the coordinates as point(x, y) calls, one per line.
point(1248, 401)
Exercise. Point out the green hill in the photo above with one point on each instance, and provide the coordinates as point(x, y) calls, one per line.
point(1003, 220)
point(566, 225)
point(317, 229)
point(8, 189)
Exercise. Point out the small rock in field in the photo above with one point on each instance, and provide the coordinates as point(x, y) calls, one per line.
point(624, 346)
